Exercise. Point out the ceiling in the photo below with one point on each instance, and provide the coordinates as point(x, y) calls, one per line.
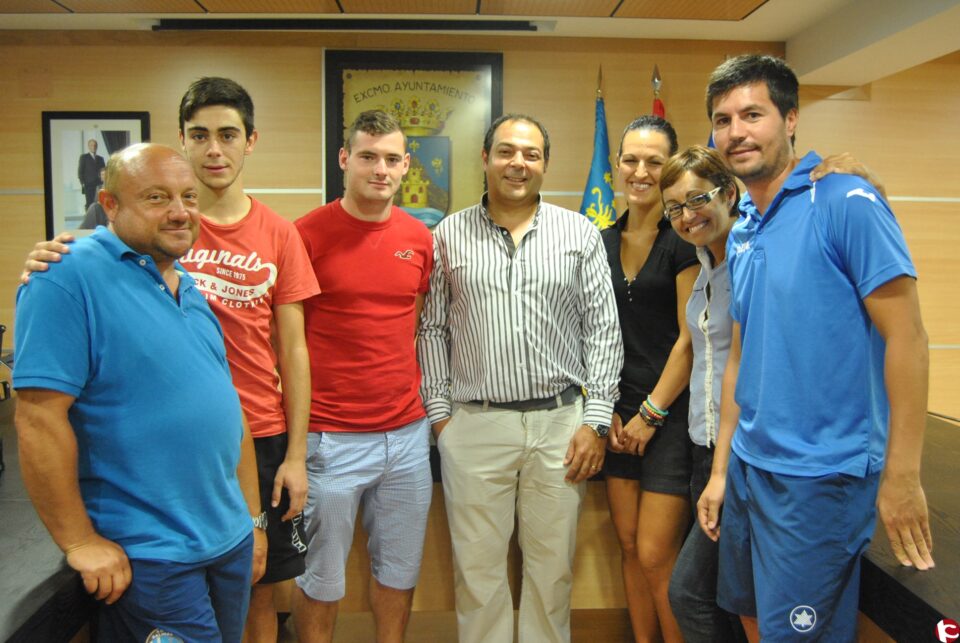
point(828, 42)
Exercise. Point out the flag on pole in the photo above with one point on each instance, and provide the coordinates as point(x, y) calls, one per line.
point(597, 204)
point(656, 81)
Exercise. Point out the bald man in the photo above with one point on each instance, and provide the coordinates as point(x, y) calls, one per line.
point(132, 443)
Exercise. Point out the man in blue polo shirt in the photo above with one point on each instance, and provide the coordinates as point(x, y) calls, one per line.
point(829, 367)
point(144, 476)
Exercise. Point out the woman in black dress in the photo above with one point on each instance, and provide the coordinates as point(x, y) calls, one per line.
point(648, 466)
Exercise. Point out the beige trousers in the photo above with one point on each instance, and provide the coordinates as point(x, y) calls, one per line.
point(496, 462)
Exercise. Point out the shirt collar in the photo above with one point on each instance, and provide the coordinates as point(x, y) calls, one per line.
point(486, 214)
point(798, 179)
point(120, 251)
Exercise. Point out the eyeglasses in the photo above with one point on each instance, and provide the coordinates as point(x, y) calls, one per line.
point(695, 202)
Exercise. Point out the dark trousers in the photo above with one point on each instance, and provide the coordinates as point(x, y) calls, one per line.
point(693, 586)
point(90, 191)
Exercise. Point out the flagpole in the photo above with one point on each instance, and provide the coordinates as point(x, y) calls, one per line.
point(597, 204)
point(657, 81)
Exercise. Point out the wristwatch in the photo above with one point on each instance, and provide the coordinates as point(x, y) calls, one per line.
point(260, 521)
point(602, 430)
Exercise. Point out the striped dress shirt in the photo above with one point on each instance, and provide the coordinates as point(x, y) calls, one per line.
point(506, 325)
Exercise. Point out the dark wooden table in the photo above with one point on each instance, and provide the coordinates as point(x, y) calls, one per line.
point(41, 599)
point(904, 602)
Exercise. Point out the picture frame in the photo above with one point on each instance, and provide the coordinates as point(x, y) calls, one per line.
point(444, 101)
point(71, 173)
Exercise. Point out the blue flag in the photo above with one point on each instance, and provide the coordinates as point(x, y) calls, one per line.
point(597, 204)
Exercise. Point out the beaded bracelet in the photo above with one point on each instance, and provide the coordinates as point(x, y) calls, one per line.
point(656, 421)
point(653, 408)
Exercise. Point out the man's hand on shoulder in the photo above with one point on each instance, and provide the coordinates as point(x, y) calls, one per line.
point(103, 566)
point(45, 253)
point(903, 511)
point(584, 455)
point(845, 163)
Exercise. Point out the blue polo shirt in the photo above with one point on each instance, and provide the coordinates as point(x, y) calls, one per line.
point(156, 417)
point(810, 388)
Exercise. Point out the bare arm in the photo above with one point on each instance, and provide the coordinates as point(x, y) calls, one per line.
point(676, 372)
point(895, 310)
point(247, 476)
point(295, 380)
point(708, 506)
point(48, 459)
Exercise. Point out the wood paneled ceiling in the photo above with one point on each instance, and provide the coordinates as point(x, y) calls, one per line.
point(674, 9)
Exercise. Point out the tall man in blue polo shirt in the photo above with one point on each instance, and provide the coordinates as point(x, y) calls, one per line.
point(827, 373)
point(133, 446)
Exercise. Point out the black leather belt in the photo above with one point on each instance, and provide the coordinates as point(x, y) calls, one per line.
point(567, 396)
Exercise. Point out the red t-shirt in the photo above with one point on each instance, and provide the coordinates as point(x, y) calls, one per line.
point(244, 270)
point(360, 329)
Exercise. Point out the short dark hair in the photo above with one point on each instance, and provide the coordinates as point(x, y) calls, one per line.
point(488, 137)
point(374, 122)
point(704, 162)
point(655, 123)
point(212, 90)
point(748, 69)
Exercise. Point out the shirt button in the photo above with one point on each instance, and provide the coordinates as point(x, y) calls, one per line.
point(164, 288)
point(142, 262)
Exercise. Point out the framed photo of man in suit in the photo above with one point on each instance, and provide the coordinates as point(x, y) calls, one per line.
point(76, 146)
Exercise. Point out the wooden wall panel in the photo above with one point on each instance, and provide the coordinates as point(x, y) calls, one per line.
point(450, 8)
point(944, 375)
point(688, 9)
point(597, 581)
point(579, 8)
point(140, 6)
point(32, 6)
point(272, 6)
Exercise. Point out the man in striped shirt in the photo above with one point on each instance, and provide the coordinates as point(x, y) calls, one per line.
point(519, 321)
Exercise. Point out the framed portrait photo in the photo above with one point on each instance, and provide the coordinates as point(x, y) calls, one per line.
point(444, 103)
point(76, 146)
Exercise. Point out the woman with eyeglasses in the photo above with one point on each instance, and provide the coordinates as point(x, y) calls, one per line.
point(700, 198)
point(647, 467)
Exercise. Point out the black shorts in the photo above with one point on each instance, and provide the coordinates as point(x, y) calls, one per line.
point(286, 543)
point(665, 466)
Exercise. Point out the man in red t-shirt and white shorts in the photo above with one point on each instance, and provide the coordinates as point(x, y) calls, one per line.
point(369, 437)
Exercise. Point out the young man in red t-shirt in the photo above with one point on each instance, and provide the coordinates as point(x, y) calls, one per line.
point(250, 264)
point(369, 438)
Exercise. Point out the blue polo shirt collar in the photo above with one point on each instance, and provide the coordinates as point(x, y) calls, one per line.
point(121, 251)
point(798, 180)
